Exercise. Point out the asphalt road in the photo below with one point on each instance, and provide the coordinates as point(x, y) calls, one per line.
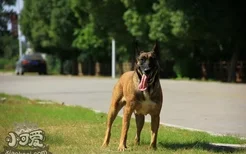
point(215, 107)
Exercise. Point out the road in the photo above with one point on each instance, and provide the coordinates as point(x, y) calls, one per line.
point(210, 106)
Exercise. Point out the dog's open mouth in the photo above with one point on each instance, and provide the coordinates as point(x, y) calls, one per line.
point(145, 81)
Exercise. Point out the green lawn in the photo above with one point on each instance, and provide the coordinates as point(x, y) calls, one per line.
point(73, 129)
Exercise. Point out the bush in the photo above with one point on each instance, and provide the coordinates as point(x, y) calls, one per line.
point(8, 64)
point(3, 62)
point(53, 64)
point(186, 68)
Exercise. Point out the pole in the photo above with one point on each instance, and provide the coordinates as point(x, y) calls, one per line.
point(113, 58)
point(19, 38)
point(19, 32)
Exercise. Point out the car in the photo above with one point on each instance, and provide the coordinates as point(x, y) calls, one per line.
point(33, 62)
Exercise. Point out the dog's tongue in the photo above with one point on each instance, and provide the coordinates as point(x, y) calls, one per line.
point(143, 83)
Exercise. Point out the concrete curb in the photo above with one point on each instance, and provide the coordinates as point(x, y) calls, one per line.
point(235, 146)
point(200, 130)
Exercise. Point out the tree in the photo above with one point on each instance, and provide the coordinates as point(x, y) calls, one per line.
point(219, 24)
point(8, 43)
point(101, 21)
point(4, 15)
point(50, 25)
point(188, 31)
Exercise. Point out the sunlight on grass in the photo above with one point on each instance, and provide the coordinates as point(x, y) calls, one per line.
point(73, 129)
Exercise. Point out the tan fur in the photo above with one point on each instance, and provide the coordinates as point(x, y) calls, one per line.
point(126, 94)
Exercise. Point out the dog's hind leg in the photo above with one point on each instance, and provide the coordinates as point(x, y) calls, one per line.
point(139, 123)
point(115, 107)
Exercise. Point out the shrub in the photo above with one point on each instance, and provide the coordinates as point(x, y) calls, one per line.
point(3, 62)
point(8, 64)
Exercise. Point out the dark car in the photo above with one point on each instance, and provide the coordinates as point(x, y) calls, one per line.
point(31, 63)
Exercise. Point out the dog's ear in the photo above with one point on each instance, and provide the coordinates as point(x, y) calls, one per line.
point(156, 49)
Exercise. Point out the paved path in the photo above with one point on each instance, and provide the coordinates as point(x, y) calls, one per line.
point(215, 107)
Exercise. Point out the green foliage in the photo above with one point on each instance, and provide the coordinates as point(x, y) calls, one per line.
point(186, 68)
point(35, 20)
point(8, 43)
point(100, 21)
point(53, 64)
point(8, 64)
point(134, 22)
point(3, 62)
point(4, 15)
point(188, 31)
point(160, 23)
point(86, 38)
point(9, 46)
point(49, 24)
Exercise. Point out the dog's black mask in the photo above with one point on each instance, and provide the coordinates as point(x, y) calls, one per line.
point(147, 67)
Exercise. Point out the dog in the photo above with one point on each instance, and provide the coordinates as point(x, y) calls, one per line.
point(140, 92)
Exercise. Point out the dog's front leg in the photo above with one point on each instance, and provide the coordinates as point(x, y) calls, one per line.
point(140, 123)
point(155, 122)
point(125, 126)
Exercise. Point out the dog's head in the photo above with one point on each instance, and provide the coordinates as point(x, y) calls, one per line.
point(147, 66)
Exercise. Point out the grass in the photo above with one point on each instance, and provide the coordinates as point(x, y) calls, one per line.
point(73, 129)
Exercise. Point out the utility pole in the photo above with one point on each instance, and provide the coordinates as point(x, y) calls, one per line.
point(19, 32)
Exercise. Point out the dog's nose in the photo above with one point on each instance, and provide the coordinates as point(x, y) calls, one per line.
point(147, 70)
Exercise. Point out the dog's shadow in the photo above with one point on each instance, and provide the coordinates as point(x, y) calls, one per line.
point(199, 146)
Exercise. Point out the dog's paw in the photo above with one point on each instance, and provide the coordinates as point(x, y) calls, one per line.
point(136, 142)
point(104, 145)
point(121, 148)
point(152, 147)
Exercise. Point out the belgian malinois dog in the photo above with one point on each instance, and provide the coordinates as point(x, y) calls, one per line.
point(140, 92)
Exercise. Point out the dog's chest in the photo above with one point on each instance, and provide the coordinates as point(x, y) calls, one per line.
point(146, 106)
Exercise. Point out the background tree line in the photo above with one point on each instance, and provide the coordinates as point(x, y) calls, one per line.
point(189, 32)
point(8, 42)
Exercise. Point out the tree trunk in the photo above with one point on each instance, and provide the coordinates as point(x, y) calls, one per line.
point(133, 63)
point(133, 59)
point(75, 66)
point(80, 68)
point(232, 67)
point(120, 68)
point(91, 66)
point(61, 65)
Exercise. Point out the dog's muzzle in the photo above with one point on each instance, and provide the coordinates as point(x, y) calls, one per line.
point(147, 77)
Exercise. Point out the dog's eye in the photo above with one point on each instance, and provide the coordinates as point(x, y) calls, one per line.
point(142, 60)
point(152, 57)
